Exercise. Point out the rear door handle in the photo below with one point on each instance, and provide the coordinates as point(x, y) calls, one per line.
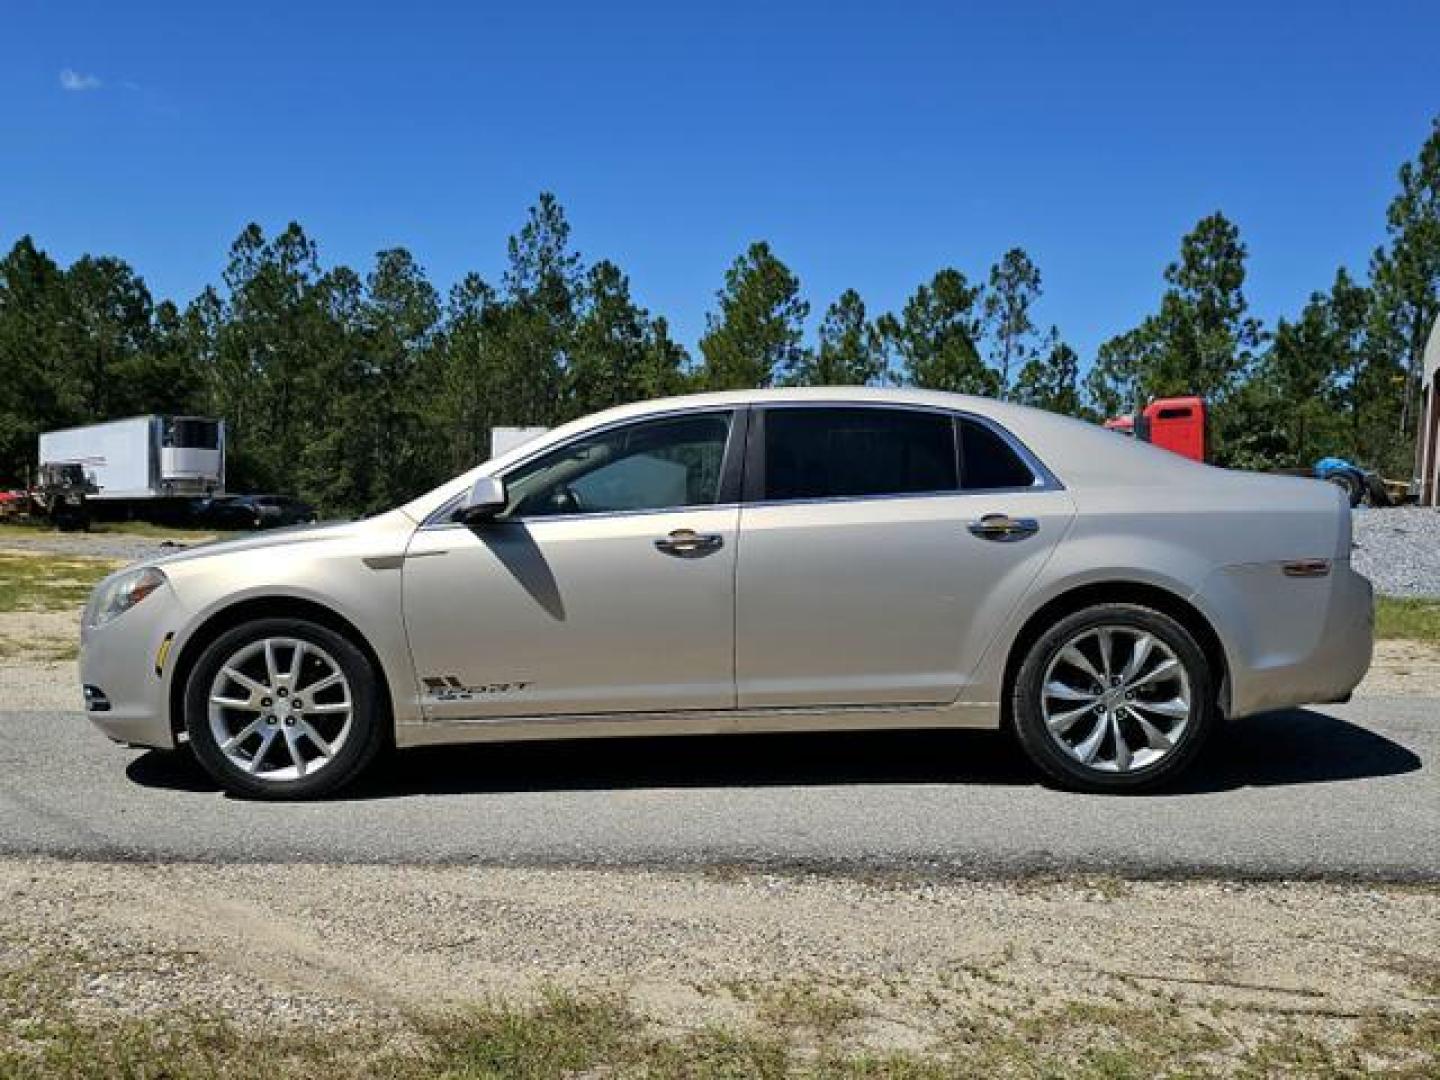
point(1004, 528)
point(688, 544)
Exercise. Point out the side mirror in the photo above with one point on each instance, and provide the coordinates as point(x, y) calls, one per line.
point(483, 501)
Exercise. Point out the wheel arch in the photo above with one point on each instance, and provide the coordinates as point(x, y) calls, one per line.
point(269, 607)
point(1118, 592)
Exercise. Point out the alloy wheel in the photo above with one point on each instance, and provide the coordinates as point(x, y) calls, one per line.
point(1116, 698)
point(280, 709)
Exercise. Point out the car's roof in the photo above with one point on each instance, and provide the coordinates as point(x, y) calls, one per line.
point(860, 395)
point(771, 395)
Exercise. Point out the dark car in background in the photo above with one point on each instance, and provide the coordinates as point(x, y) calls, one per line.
point(253, 512)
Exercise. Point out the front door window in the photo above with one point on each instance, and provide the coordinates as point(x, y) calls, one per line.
point(655, 465)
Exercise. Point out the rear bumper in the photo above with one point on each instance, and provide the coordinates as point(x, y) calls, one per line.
point(1295, 642)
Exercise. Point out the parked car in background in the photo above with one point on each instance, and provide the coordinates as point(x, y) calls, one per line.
point(253, 512)
point(772, 560)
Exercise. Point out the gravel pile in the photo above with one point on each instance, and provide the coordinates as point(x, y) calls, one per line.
point(96, 545)
point(1398, 549)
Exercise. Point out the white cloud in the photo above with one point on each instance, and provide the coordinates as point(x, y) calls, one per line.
point(78, 82)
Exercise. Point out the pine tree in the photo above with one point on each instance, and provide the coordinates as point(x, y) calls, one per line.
point(851, 350)
point(1406, 275)
point(936, 334)
point(1050, 380)
point(755, 335)
point(1014, 287)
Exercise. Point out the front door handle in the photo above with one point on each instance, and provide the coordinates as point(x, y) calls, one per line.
point(1004, 528)
point(688, 544)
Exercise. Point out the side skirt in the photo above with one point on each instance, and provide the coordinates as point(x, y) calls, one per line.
point(717, 722)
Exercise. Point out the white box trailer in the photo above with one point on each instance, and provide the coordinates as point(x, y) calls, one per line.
point(505, 439)
point(144, 457)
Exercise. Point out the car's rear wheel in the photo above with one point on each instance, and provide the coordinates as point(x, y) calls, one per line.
point(283, 709)
point(1116, 697)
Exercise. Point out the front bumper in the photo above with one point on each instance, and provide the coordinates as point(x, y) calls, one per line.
point(126, 693)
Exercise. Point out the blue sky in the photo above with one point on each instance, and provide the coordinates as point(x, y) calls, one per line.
point(870, 144)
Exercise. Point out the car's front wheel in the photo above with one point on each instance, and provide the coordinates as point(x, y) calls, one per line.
point(1116, 697)
point(283, 709)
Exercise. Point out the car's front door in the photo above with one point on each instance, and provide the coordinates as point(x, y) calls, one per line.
point(880, 549)
point(606, 585)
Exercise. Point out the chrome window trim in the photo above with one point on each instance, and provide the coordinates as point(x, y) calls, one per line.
point(596, 516)
point(958, 493)
point(1045, 480)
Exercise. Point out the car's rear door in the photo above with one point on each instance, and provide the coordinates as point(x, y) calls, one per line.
point(869, 574)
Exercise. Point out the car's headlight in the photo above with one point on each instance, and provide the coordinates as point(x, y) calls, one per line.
point(119, 594)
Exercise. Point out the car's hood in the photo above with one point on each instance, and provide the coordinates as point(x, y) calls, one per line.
point(279, 538)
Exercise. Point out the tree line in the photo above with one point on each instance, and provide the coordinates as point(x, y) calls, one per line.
point(359, 391)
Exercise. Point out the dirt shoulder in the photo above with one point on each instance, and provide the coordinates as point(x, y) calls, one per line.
point(908, 967)
point(1403, 669)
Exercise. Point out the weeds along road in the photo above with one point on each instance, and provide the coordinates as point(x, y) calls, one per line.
point(1340, 792)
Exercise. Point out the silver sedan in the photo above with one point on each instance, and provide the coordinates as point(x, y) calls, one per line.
point(786, 560)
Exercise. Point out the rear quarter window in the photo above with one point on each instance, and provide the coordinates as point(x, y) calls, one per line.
point(988, 462)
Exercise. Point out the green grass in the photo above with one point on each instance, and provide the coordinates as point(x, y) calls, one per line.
point(40, 583)
point(45, 1033)
point(44, 650)
point(1413, 620)
point(568, 1036)
point(16, 530)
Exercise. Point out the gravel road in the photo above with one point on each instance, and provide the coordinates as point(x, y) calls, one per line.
point(1339, 792)
point(98, 545)
point(1399, 549)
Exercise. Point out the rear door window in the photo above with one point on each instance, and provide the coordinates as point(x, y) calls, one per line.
point(838, 452)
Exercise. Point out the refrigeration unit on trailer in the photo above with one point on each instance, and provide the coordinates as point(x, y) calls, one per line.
point(144, 457)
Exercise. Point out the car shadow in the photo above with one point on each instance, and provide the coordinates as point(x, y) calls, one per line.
point(1299, 746)
point(1296, 746)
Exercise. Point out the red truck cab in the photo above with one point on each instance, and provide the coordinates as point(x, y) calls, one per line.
point(1176, 424)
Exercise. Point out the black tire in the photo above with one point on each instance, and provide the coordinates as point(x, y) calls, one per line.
point(370, 717)
point(72, 522)
point(1376, 491)
point(1067, 771)
point(1351, 484)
